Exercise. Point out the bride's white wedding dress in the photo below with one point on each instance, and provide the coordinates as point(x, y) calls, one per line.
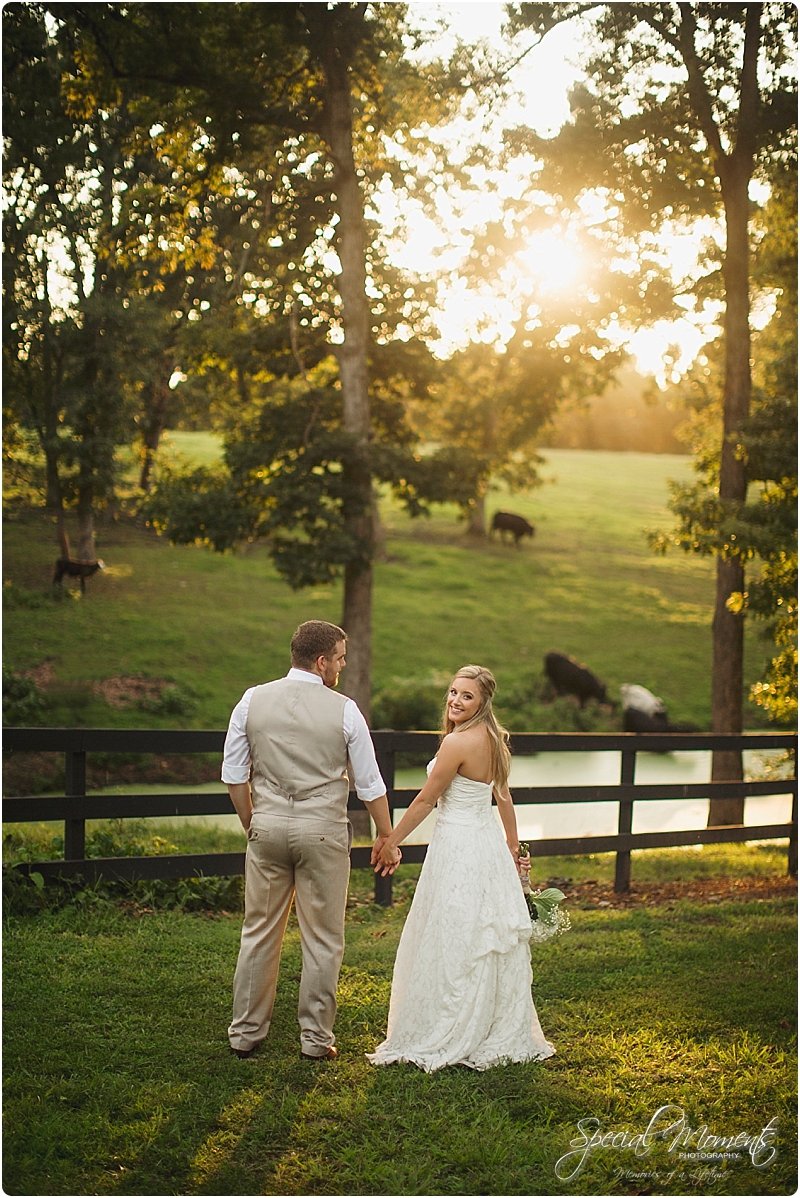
point(461, 991)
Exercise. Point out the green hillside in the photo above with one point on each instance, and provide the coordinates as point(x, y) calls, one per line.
point(586, 585)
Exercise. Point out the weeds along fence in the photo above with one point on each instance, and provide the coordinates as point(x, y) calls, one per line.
point(75, 806)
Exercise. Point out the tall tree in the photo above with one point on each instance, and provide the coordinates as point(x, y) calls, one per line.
point(321, 85)
point(683, 106)
point(763, 529)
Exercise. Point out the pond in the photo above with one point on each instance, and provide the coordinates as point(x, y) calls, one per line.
point(544, 820)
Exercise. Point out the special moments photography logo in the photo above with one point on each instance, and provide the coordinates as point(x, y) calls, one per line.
point(687, 1144)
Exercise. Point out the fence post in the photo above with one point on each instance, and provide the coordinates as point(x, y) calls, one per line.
point(622, 872)
point(792, 863)
point(385, 758)
point(75, 829)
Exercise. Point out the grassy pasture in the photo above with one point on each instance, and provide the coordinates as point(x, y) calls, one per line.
point(587, 585)
point(118, 1079)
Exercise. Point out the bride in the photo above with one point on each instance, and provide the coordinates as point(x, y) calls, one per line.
point(461, 991)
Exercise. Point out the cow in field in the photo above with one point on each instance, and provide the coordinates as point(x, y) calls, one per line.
point(643, 712)
point(569, 677)
point(517, 526)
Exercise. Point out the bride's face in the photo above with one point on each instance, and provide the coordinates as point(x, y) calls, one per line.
point(463, 700)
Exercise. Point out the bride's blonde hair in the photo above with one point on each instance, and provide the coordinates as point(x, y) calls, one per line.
point(498, 737)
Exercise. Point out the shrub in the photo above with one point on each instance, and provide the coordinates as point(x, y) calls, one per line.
point(173, 700)
point(531, 706)
point(408, 706)
point(27, 895)
point(23, 702)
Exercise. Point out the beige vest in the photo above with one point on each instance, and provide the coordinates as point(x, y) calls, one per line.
point(299, 752)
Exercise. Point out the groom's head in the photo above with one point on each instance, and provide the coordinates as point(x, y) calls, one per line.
point(320, 647)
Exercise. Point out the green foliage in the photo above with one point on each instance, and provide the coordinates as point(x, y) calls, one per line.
point(173, 700)
point(408, 705)
point(489, 408)
point(23, 702)
point(762, 530)
point(293, 475)
point(30, 894)
point(15, 597)
point(531, 706)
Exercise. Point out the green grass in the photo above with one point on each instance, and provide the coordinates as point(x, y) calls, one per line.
point(586, 585)
point(118, 1079)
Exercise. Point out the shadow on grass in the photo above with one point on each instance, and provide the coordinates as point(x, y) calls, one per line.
point(119, 1079)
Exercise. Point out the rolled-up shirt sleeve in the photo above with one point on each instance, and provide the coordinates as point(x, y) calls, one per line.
point(366, 778)
point(236, 759)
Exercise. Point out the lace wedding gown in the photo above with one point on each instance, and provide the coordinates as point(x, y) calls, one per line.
point(461, 990)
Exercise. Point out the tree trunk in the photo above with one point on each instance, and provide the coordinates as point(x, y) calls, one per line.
point(352, 357)
point(727, 681)
point(86, 551)
point(86, 546)
point(156, 405)
point(476, 516)
point(378, 530)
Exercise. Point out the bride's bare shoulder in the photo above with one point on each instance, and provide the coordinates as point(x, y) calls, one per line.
point(460, 743)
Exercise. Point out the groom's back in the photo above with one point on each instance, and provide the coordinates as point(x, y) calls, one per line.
point(298, 747)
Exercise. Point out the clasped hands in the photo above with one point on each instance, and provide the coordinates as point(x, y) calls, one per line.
point(385, 859)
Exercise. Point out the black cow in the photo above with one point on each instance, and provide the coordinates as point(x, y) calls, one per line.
point(518, 526)
point(570, 678)
point(74, 568)
point(641, 721)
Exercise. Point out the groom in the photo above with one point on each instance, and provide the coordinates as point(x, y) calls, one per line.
point(286, 761)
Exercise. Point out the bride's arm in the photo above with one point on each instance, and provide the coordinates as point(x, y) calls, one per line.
point(444, 770)
point(505, 805)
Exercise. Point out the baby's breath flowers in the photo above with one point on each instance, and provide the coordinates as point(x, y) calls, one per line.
point(546, 916)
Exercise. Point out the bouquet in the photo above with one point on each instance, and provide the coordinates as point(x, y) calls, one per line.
point(547, 918)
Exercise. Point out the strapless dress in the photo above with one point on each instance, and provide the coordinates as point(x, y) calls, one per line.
point(461, 990)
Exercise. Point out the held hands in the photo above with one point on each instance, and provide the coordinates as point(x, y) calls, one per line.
point(385, 858)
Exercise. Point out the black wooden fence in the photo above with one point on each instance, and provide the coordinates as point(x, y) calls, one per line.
point(76, 806)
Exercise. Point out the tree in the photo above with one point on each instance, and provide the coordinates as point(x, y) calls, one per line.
point(684, 105)
point(491, 405)
point(107, 249)
point(65, 327)
point(313, 88)
point(764, 528)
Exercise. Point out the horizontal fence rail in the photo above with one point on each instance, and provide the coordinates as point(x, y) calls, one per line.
point(76, 806)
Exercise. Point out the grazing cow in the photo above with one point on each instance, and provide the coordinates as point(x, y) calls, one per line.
point(634, 720)
point(570, 678)
point(639, 698)
point(76, 569)
point(518, 526)
point(643, 712)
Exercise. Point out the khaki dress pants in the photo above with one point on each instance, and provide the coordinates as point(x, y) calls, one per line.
point(307, 859)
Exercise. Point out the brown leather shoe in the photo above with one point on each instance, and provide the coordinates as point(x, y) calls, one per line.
point(244, 1053)
point(330, 1054)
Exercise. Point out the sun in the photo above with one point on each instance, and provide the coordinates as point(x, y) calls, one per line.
point(552, 260)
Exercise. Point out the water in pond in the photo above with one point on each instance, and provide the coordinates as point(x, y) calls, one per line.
point(544, 820)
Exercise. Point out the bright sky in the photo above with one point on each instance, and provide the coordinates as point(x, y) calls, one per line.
point(552, 260)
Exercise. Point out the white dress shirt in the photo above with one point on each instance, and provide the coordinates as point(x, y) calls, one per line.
point(366, 776)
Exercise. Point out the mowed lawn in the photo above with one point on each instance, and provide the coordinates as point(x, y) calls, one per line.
point(119, 1081)
point(587, 585)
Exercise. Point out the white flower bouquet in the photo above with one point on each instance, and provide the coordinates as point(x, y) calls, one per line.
point(546, 916)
